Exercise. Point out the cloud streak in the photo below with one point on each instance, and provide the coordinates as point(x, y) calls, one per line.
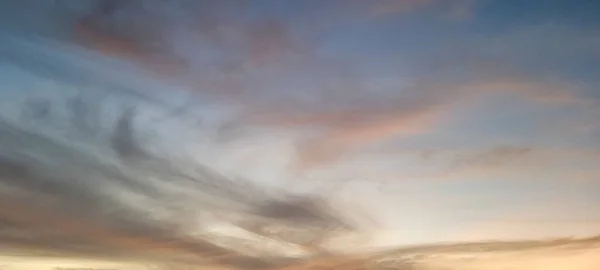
point(458, 8)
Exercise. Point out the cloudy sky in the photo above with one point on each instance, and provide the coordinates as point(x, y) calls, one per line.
point(421, 120)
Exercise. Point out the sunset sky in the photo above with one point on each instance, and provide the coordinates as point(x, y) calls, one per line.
point(421, 120)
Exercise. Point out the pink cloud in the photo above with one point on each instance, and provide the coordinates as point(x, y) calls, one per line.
point(431, 105)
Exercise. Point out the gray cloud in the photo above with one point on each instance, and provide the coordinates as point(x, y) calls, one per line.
point(85, 173)
point(51, 192)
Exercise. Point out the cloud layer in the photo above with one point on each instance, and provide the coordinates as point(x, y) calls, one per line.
point(132, 120)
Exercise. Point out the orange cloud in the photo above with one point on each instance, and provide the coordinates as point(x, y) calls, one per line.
point(93, 37)
point(46, 229)
point(349, 132)
point(427, 106)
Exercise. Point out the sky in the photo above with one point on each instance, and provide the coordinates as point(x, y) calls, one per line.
point(418, 121)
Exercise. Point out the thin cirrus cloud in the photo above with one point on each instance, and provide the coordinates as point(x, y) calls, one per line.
point(272, 44)
point(457, 9)
point(344, 131)
point(530, 163)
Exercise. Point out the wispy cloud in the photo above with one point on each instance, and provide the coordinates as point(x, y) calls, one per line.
point(518, 162)
point(415, 110)
point(456, 8)
point(250, 63)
